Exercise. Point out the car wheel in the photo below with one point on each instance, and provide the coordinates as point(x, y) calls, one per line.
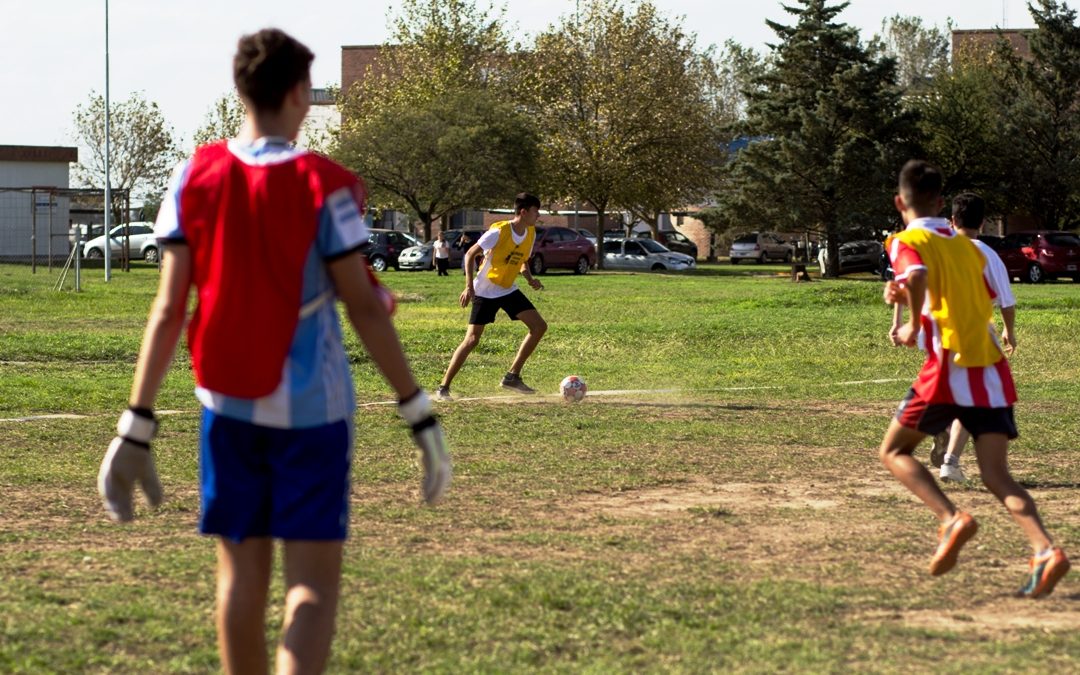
point(1034, 274)
point(762, 258)
point(658, 268)
point(378, 263)
point(536, 264)
point(94, 253)
point(787, 257)
point(582, 266)
point(150, 255)
point(734, 261)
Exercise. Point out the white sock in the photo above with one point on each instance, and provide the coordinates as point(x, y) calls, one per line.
point(951, 459)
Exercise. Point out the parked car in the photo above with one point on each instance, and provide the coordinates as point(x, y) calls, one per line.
point(141, 242)
point(561, 247)
point(760, 246)
point(855, 256)
point(674, 241)
point(644, 255)
point(1039, 255)
point(422, 256)
point(385, 246)
point(588, 234)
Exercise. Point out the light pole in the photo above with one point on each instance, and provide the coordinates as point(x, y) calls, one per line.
point(108, 181)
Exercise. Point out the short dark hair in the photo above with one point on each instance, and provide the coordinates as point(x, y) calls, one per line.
point(267, 65)
point(969, 210)
point(524, 201)
point(920, 184)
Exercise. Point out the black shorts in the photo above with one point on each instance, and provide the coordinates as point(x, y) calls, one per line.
point(933, 418)
point(485, 309)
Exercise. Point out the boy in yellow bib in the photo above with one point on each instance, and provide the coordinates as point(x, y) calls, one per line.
point(506, 248)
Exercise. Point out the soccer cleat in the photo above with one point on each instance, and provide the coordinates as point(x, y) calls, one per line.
point(938, 447)
point(513, 382)
point(951, 471)
point(1047, 568)
point(951, 537)
point(443, 394)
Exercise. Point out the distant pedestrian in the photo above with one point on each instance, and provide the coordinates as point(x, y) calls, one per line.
point(442, 254)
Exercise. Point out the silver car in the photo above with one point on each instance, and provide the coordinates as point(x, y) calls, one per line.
point(141, 242)
point(760, 246)
point(644, 255)
point(854, 256)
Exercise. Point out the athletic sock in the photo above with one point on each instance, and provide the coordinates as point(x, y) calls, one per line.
point(951, 459)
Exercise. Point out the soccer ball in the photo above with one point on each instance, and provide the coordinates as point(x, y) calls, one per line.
point(572, 388)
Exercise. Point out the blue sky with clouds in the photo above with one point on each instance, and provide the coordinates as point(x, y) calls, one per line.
point(179, 53)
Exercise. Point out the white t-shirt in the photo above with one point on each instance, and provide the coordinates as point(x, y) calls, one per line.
point(442, 249)
point(997, 275)
point(482, 286)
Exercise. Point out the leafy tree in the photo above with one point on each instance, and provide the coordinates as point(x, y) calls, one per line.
point(921, 52)
point(222, 120)
point(1042, 117)
point(435, 129)
point(830, 133)
point(960, 125)
point(435, 158)
point(143, 149)
point(627, 110)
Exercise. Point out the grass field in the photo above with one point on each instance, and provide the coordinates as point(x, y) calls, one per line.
point(738, 521)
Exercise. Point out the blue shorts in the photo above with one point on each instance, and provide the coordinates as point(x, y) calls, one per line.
point(261, 481)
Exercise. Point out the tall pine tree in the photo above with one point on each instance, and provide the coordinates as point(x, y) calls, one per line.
point(829, 134)
point(1042, 118)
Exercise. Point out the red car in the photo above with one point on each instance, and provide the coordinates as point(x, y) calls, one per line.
point(1039, 255)
point(561, 247)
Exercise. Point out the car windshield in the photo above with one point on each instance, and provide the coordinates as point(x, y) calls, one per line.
point(1063, 239)
point(652, 246)
point(746, 239)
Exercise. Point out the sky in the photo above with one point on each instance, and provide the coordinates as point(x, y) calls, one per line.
point(178, 52)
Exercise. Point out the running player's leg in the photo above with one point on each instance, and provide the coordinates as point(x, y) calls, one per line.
point(950, 463)
point(243, 580)
point(991, 449)
point(537, 327)
point(312, 581)
point(896, 454)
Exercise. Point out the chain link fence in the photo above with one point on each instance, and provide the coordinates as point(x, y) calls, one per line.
point(41, 226)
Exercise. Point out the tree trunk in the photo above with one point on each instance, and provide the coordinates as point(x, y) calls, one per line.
point(600, 237)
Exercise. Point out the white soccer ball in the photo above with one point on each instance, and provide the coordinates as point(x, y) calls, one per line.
point(572, 388)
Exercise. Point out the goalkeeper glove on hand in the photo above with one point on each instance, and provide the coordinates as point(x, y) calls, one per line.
point(428, 436)
point(128, 461)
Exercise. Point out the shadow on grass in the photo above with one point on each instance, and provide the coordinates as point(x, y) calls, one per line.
point(692, 406)
point(1048, 485)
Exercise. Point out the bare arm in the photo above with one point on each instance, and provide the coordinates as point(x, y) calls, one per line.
point(372, 324)
point(1008, 336)
point(163, 328)
point(915, 286)
point(469, 263)
point(526, 273)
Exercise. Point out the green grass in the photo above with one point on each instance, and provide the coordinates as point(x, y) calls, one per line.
point(740, 522)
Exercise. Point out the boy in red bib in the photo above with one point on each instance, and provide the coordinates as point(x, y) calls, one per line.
point(268, 236)
point(941, 277)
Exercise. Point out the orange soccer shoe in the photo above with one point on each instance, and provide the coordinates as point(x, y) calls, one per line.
point(1047, 568)
point(951, 537)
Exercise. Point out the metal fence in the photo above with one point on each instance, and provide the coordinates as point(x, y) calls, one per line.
point(41, 225)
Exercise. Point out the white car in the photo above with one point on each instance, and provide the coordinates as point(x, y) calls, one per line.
point(644, 255)
point(141, 243)
point(760, 247)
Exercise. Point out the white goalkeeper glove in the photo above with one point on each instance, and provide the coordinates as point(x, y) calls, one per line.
point(428, 436)
point(128, 461)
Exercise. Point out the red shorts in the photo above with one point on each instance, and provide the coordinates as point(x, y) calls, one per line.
point(933, 418)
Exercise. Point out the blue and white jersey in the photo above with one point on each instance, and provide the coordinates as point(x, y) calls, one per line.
point(316, 385)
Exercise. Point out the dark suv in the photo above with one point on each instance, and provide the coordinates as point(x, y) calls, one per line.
point(674, 240)
point(384, 247)
point(1039, 255)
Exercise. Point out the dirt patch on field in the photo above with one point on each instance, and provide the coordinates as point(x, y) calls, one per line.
point(1000, 620)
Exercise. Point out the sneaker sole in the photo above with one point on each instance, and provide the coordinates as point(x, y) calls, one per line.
point(1050, 578)
point(939, 566)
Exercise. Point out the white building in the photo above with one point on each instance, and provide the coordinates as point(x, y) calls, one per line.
point(34, 211)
